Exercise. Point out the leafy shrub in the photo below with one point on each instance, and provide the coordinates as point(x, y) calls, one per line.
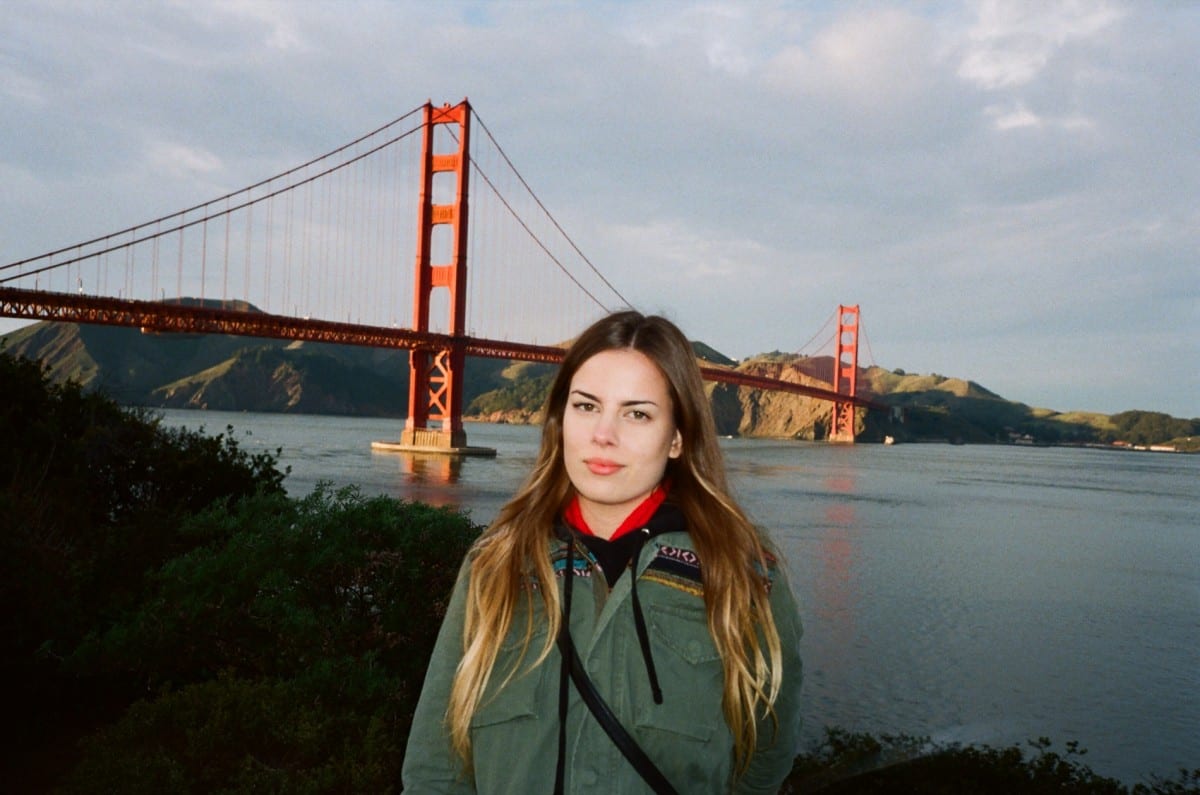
point(854, 763)
point(91, 498)
point(239, 735)
point(286, 652)
point(1151, 427)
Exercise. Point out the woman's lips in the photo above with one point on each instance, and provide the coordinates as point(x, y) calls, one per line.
point(602, 466)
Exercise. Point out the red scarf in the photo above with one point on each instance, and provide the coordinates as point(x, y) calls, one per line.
point(634, 521)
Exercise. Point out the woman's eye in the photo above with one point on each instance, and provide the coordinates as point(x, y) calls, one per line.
point(638, 414)
point(583, 405)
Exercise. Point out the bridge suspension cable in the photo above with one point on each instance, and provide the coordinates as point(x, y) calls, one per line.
point(556, 224)
point(825, 329)
point(157, 222)
point(862, 330)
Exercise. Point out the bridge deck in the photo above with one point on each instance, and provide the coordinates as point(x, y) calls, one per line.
point(174, 317)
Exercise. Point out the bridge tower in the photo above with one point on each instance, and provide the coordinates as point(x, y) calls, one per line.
point(436, 374)
point(845, 375)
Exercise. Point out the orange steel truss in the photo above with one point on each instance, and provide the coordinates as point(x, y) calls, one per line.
point(436, 376)
point(175, 317)
point(845, 375)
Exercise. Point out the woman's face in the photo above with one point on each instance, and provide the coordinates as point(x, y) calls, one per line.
point(618, 434)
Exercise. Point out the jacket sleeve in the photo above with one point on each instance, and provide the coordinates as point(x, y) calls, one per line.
point(431, 767)
point(779, 739)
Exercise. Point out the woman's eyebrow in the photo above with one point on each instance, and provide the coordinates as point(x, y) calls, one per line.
point(634, 402)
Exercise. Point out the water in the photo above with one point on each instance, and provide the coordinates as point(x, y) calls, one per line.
point(971, 593)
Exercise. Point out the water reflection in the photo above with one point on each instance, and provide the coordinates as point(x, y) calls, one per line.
point(423, 477)
point(838, 548)
point(431, 468)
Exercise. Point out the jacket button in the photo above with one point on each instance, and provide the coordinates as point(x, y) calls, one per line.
point(588, 778)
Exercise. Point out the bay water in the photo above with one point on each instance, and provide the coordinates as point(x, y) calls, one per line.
point(973, 594)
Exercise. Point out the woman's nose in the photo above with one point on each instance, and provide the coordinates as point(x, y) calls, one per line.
point(605, 430)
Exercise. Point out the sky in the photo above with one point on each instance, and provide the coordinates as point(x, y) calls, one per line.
point(1010, 191)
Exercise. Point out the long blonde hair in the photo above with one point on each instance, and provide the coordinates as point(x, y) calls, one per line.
point(512, 553)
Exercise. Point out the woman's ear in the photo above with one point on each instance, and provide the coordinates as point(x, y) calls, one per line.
point(676, 445)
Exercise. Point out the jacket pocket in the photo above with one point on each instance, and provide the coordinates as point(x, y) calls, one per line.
point(515, 696)
point(689, 670)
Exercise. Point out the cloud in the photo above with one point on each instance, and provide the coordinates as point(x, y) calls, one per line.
point(276, 21)
point(722, 35)
point(687, 254)
point(870, 59)
point(1012, 41)
point(178, 161)
point(1017, 116)
point(23, 88)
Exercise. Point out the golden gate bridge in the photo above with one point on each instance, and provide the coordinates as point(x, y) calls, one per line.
point(333, 250)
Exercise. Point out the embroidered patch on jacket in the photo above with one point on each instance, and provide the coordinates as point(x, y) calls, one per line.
point(677, 568)
point(559, 561)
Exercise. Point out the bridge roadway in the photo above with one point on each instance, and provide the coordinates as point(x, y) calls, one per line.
point(170, 317)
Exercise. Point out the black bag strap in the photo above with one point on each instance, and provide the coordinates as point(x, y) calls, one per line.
point(608, 721)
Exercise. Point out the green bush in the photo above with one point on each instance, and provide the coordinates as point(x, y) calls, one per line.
point(91, 498)
point(286, 652)
point(326, 732)
point(1151, 427)
point(855, 763)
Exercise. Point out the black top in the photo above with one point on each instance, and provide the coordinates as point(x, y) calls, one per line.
point(615, 556)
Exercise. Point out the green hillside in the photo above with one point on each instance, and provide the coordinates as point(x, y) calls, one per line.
point(939, 407)
point(249, 374)
point(222, 372)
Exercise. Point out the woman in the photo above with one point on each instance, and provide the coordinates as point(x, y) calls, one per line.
point(624, 552)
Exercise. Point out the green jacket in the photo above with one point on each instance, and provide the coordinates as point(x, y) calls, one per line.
point(514, 733)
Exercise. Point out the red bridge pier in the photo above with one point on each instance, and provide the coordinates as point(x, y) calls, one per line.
point(845, 375)
point(435, 387)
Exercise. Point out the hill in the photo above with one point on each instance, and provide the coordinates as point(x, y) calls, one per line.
point(248, 374)
point(229, 373)
point(935, 406)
